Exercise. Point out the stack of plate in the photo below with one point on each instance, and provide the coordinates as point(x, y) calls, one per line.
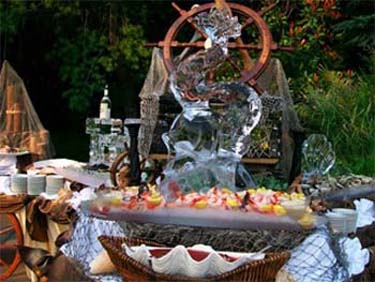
point(343, 220)
point(36, 184)
point(54, 184)
point(19, 183)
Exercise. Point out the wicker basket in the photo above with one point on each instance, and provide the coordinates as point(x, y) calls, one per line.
point(256, 271)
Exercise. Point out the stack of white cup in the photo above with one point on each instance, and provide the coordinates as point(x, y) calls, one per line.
point(350, 219)
point(36, 184)
point(343, 220)
point(19, 183)
point(54, 184)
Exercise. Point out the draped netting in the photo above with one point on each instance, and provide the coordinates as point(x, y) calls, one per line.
point(271, 139)
point(273, 136)
point(153, 87)
point(20, 127)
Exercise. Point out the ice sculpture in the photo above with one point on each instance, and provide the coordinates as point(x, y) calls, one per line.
point(208, 142)
point(318, 156)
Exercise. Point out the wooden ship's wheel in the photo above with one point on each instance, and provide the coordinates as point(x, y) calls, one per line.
point(118, 167)
point(248, 56)
point(9, 254)
point(256, 41)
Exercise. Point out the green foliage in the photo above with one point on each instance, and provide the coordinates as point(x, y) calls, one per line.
point(342, 107)
point(82, 67)
point(336, 34)
point(11, 16)
point(329, 36)
point(307, 26)
point(130, 47)
point(271, 182)
point(358, 32)
point(83, 52)
point(86, 56)
point(357, 29)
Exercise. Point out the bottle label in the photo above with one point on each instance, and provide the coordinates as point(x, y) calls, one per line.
point(105, 111)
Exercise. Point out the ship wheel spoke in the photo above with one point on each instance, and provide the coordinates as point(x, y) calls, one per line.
point(249, 21)
point(196, 44)
point(6, 230)
point(3, 263)
point(182, 12)
point(196, 28)
point(7, 247)
point(233, 45)
point(234, 64)
point(200, 44)
point(254, 84)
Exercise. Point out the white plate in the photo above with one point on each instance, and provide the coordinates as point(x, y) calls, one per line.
point(14, 154)
point(57, 163)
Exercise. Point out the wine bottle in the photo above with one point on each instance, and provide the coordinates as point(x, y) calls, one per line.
point(105, 105)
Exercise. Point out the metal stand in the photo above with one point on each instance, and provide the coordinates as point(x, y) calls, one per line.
point(133, 125)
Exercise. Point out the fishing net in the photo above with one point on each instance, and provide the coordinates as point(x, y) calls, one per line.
point(20, 127)
point(219, 239)
point(273, 136)
point(153, 87)
point(271, 139)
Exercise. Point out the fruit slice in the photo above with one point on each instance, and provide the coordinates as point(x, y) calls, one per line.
point(265, 208)
point(233, 203)
point(279, 210)
point(153, 201)
point(202, 204)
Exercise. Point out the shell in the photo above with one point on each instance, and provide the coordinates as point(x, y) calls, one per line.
point(179, 262)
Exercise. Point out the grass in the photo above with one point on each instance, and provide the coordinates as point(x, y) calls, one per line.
point(342, 108)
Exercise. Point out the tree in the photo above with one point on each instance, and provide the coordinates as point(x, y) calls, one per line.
point(81, 48)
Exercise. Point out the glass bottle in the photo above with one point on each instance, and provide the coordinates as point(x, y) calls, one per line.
point(105, 105)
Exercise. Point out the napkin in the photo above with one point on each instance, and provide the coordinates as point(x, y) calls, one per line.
point(366, 212)
point(85, 194)
point(356, 257)
point(8, 165)
point(5, 185)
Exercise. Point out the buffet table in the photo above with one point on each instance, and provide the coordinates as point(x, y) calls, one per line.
point(315, 256)
point(318, 254)
point(315, 253)
point(40, 221)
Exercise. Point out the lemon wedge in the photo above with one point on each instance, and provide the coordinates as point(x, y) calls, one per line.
point(261, 189)
point(265, 208)
point(202, 204)
point(226, 191)
point(233, 203)
point(154, 200)
point(307, 220)
point(251, 191)
point(279, 210)
point(116, 201)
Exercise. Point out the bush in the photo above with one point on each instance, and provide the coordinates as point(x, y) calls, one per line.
point(341, 105)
